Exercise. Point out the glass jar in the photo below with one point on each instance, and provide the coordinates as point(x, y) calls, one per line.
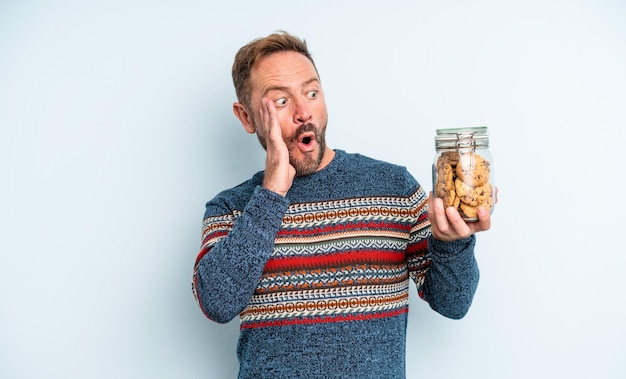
point(463, 170)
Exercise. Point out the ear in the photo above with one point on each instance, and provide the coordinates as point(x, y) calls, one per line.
point(244, 117)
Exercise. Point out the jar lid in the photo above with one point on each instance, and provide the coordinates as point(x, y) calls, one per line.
point(462, 138)
point(475, 130)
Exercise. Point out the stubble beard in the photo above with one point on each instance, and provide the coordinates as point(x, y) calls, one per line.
point(310, 162)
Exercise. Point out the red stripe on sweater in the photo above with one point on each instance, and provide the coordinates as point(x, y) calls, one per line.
point(202, 253)
point(422, 217)
point(324, 319)
point(420, 246)
point(214, 235)
point(348, 258)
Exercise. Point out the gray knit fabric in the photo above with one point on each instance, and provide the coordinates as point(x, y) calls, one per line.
point(255, 261)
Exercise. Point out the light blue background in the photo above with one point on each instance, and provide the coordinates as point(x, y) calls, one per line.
point(116, 128)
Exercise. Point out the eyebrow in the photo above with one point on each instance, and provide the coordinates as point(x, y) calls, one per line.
point(284, 88)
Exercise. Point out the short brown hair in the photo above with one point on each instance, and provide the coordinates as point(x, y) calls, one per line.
point(250, 54)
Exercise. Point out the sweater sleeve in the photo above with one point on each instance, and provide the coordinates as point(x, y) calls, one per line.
point(234, 251)
point(446, 273)
point(452, 278)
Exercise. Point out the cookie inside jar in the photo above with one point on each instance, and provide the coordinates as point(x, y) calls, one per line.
point(462, 172)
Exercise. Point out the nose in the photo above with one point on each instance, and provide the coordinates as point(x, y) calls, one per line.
point(302, 114)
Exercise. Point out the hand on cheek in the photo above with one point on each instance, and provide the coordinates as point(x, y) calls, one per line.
point(279, 173)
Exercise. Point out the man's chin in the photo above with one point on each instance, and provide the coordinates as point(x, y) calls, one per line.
point(308, 163)
point(303, 169)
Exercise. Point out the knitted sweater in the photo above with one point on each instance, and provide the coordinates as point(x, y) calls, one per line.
point(320, 278)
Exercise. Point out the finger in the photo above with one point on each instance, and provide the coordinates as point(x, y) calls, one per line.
point(272, 126)
point(484, 220)
point(265, 117)
point(460, 227)
point(262, 111)
point(431, 213)
point(440, 219)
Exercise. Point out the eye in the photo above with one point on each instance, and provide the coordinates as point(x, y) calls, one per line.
point(280, 102)
point(312, 94)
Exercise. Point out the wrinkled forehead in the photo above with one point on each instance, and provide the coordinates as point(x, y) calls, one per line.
point(285, 68)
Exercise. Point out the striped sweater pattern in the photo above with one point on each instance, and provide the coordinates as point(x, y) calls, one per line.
point(320, 278)
point(336, 260)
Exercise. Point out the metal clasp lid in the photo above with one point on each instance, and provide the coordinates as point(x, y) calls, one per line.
point(465, 142)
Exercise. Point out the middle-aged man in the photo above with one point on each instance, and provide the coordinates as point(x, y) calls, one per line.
point(315, 253)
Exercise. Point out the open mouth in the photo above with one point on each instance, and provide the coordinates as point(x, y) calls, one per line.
point(307, 138)
point(306, 142)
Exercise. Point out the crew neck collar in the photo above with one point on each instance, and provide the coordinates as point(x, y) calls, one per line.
point(330, 167)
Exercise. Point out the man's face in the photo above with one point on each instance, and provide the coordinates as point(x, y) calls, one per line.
point(290, 81)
